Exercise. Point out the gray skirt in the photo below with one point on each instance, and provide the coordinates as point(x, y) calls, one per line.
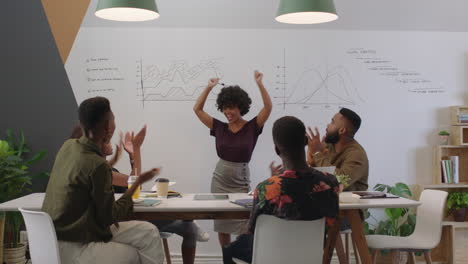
point(230, 177)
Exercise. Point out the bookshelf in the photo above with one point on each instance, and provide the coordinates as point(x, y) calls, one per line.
point(459, 128)
point(460, 134)
point(457, 113)
point(454, 239)
point(444, 152)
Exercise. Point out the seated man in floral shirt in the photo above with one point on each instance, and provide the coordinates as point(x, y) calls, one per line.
point(300, 193)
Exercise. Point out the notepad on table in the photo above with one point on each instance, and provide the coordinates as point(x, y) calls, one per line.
point(247, 203)
point(211, 197)
point(374, 195)
point(147, 202)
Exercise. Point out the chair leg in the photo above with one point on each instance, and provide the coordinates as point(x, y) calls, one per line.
point(411, 257)
point(166, 251)
point(427, 256)
point(347, 246)
point(356, 253)
point(394, 256)
point(375, 252)
point(340, 250)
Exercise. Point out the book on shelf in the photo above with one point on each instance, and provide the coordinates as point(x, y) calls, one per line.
point(455, 166)
point(449, 174)
point(444, 171)
point(450, 170)
point(463, 118)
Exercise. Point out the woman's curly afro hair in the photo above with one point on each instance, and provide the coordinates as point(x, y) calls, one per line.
point(233, 96)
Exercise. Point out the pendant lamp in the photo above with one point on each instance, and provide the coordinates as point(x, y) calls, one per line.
point(306, 11)
point(127, 10)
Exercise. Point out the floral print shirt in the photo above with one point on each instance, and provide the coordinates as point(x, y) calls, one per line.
point(307, 195)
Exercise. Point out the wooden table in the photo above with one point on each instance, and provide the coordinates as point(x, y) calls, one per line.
point(186, 208)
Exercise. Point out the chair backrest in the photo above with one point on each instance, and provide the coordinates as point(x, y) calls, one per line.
point(42, 239)
point(429, 217)
point(279, 241)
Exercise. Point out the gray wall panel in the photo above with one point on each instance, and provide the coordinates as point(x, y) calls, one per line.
point(35, 94)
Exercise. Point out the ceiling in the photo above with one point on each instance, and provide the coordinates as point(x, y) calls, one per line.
point(400, 15)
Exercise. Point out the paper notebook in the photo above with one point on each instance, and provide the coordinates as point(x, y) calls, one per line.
point(247, 203)
point(147, 202)
point(211, 197)
point(374, 195)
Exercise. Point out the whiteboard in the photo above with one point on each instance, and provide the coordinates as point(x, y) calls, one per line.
point(399, 82)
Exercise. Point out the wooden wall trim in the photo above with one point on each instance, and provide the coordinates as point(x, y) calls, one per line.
point(65, 17)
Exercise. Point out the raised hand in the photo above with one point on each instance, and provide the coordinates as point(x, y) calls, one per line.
point(117, 155)
point(139, 137)
point(128, 143)
point(276, 170)
point(314, 143)
point(213, 82)
point(258, 76)
point(148, 175)
point(132, 141)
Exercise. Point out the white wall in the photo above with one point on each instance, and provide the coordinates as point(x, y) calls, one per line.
point(399, 82)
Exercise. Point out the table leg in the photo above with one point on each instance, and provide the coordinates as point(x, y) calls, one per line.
point(330, 242)
point(340, 252)
point(356, 222)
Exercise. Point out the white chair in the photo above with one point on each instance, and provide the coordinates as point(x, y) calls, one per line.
point(279, 241)
point(42, 239)
point(426, 235)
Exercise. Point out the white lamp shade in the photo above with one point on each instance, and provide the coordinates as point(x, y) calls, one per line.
point(127, 10)
point(306, 11)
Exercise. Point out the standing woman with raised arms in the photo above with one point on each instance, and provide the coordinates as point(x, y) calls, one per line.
point(235, 142)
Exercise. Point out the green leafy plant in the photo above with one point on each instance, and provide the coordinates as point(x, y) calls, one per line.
point(15, 179)
point(343, 179)
point(457, 200)
point(444, 133)
point(400, 221)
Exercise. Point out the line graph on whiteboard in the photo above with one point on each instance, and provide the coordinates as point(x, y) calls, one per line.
point(179, 81)
point(316, 87)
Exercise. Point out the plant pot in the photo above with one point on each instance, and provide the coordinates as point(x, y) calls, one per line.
point(443, 140)
point(459, 214)
point(15, 255)
point(402, 258)
point(341, 187)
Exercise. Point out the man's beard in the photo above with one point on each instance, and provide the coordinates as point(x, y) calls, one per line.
point(332, 137)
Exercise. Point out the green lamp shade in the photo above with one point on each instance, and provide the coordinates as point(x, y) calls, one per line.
point(127, 10)
point(306, 11)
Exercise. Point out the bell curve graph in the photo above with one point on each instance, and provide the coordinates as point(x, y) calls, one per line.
point(315, 86)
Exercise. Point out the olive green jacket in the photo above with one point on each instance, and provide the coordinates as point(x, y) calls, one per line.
point(79, 197)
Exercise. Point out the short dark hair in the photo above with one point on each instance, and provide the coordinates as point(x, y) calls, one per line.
point(352, 117)
point(289, 135)
point(232, 96)
point(92, 111)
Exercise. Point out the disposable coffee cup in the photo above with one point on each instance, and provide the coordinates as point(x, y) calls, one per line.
point(131, 180)
point(162, 187)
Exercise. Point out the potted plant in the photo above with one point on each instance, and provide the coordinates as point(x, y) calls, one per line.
point(15, 181)
point(456, 205)
point(398, 222)
point(444, 137)
point(343, 180)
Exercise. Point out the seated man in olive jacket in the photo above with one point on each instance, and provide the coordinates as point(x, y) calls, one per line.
point(80, 199)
